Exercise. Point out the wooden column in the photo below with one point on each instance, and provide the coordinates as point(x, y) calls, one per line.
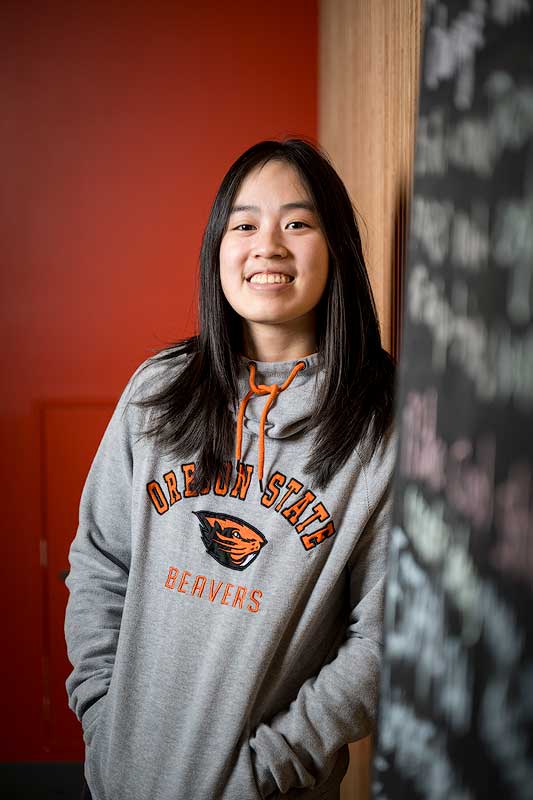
point(368, 88)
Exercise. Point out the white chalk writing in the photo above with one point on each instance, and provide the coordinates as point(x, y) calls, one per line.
point(450, 52)
point(470, 237)
point(419, 749)
point(476, 143)
point(418, 635)
point(420, 639)
point(431, 226)
point(506, 11)
point(513, 248)
point(499, 363)
point(431, 157)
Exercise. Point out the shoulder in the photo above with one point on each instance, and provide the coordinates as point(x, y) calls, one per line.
point(384, 452)
point(149, 386)
point(156, 374)
point(378, 461)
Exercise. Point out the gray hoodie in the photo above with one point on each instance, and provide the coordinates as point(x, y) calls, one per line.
point(226, 644)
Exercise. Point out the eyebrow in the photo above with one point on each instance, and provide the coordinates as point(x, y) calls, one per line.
point(305, 204)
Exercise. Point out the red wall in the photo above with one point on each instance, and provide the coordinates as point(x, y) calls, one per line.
point(118, 122)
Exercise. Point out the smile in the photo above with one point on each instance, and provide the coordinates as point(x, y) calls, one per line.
point(270, 277)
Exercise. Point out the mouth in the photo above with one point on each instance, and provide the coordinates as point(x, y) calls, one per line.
point(270, 277)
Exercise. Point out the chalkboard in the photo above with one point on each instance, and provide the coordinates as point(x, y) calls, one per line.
point(456, 704)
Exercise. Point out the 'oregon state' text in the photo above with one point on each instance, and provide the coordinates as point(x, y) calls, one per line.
point(307, 516)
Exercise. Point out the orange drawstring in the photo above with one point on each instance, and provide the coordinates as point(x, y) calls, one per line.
point(261, 389)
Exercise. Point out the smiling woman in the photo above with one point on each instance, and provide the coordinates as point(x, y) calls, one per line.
point(265, 445)
point(274, 263)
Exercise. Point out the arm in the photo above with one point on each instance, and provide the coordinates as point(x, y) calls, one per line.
point(99, 566)
point(297, 748)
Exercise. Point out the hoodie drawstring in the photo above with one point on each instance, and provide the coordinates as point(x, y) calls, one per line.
point(261, 389)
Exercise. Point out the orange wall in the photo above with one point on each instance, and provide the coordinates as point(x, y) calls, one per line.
point(118, 122)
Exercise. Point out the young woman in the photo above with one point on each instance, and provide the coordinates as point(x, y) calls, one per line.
point(226, 582)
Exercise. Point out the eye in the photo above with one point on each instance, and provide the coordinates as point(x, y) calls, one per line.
point(236, 535)
point(299, 223)
point(244, 226)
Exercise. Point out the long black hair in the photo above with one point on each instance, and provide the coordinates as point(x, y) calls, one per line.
point(191, 413)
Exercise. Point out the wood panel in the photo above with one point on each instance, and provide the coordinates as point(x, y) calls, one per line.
point(368, 88)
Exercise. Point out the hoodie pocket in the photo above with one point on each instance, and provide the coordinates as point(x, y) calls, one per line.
point(96, 749)
point(91, 719)
point(241, 782)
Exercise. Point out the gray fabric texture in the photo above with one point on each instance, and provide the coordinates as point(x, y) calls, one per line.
point(219, 650)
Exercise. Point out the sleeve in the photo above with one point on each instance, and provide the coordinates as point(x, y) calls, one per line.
point(296, 750)
point(99, 566)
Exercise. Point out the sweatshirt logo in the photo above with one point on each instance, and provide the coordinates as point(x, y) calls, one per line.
point(229, 540)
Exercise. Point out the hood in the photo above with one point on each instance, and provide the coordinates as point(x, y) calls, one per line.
point(291, 409)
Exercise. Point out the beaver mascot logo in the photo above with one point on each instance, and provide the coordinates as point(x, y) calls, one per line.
point(230, 540)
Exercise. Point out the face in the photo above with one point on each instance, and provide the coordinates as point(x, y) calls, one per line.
point(273, 255)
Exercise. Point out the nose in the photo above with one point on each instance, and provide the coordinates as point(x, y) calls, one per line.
point(268, 243)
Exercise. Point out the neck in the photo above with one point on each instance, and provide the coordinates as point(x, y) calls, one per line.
point(278, 342)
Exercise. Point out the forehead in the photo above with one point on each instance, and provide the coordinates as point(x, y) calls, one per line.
point(272, 180)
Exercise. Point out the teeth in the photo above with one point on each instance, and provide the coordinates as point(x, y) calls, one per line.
point(270, 277)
